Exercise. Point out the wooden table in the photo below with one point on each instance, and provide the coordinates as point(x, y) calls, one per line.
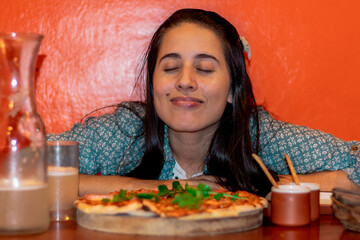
point(328, 227)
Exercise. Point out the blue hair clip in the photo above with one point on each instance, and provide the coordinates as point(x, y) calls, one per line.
point(246, 47)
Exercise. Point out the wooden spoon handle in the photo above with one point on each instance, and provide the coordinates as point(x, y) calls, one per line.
point(292, 170)
point(266, 171)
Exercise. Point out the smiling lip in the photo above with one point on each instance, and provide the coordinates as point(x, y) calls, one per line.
point(186, 101)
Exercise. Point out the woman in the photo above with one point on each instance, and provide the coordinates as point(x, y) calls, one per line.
point(199, 121)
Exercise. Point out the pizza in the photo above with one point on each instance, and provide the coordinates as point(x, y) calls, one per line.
point(183, 203)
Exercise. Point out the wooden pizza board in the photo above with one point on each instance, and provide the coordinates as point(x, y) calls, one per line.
point(170, 226)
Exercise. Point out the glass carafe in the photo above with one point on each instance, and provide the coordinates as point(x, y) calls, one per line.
point(24, 204)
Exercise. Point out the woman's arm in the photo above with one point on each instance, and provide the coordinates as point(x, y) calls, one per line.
point(107, 141)
point(100, 184)
point(327, 180)
point(103, 184)
point(310, 150)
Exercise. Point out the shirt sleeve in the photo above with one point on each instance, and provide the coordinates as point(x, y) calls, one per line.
point(310, 150)
point(105, 141)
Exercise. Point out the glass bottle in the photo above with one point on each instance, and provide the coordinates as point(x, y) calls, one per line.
point(24, 204)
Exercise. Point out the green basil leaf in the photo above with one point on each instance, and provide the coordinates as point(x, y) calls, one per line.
point(146, 195)
point(203, 187)
point(177, 186)
point(121, 196)
point(218, 196)
point(163, 190)
point(186, 200)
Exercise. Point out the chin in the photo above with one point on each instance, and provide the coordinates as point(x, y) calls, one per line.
point(188, 127)
point(182, 128)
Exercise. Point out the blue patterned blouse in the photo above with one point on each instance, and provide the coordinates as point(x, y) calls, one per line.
point(110, 145)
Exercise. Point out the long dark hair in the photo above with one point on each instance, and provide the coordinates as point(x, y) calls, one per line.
point(229, 155)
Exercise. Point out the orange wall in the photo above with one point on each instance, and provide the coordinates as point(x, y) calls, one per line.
point(304, 67)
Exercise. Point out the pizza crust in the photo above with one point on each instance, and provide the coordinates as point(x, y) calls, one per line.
point(112, 209)
point(161, 226)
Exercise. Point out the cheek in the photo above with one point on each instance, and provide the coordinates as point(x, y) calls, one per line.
point(220, 92)
point(160, 85)
point(160, 93)
point(155, 82)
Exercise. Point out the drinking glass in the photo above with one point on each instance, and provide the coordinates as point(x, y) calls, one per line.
point(63, 179)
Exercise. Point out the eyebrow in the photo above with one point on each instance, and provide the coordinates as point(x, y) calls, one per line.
point(197, 57)
point(206, 56)
point(170, 55)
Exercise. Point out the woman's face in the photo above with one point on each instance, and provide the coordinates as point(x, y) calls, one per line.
point(191, 79)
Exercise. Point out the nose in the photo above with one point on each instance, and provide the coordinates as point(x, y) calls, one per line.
point(186, 81)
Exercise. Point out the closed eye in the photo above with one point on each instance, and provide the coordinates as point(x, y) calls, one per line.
point(169, 70)
point(204, 70)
